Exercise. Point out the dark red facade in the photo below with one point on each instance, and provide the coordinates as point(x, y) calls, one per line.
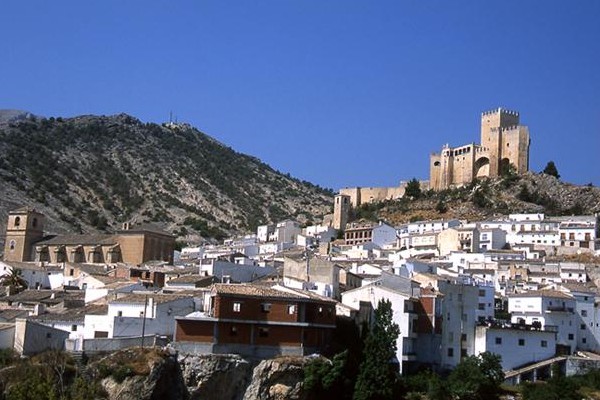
point(268, 320)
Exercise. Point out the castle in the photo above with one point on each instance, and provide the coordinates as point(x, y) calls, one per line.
point(503, 143)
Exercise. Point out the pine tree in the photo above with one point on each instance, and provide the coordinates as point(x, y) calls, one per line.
point(551, 170)
point(377, 377)
point(413, 189)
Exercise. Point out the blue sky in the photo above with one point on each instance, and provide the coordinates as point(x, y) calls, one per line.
point(340, 93)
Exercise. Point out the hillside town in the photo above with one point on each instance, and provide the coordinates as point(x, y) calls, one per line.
point(457, 288)
point(521, 286)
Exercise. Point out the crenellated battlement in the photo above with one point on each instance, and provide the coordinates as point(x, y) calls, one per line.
point(504, 128)
point(504, 141)
point(500, 110)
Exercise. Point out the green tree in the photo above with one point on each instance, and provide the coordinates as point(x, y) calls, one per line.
point(551, 170)
point(441, 206)
point(14, 279)
point(477, 377)
point(324, 379)
point(377, 377)
point(413, 189)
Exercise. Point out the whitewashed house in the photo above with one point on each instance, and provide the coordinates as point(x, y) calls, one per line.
point(464, 305)
point(400, 292)
point(516, 345)
point(35, 274)
point(384, 235)
point(129, 315)
point(552, 310)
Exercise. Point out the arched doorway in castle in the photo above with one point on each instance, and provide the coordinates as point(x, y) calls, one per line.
point(504, 166)
point(482, 167)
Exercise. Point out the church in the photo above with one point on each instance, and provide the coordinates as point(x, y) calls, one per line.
point(26, 241)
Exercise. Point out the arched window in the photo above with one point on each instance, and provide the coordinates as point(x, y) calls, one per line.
point(17, 221)
point(12, 244)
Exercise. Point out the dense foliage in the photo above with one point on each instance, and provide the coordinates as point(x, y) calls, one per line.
point(378, 374)
point(551, 170)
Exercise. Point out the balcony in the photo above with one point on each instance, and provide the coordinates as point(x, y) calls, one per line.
point(559, 309)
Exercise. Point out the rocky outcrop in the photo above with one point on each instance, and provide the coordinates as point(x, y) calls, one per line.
point(277, 379)
point(164, 381)
point(218, 377)
point(152, 374)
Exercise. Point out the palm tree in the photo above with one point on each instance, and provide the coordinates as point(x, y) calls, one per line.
point(14, 279)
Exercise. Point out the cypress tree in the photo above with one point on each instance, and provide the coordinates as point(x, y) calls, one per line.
point(377, 377)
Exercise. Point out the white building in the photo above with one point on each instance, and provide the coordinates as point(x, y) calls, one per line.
point(384, 235)
point(35, 274)
point(400, 292)
point(551, 310)
point(492, 238)
point(579, 232)
point(463, 306)
point(130, 315)
point(517, 346)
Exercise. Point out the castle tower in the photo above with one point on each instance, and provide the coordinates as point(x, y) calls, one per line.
point(341, 211)
point(503, 143)
point(25, 227)
point(493, 123)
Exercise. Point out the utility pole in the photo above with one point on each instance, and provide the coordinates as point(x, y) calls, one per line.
point(144, 320)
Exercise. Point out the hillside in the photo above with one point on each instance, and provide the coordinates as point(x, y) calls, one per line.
point(91, 173)
point(488, 198)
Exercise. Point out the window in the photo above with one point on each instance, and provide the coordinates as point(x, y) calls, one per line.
point(48, 335)
point(141, 313)
point(544, 343)
point(481, 306)
point(570, 336)
point(73, 328)
point(263, 332)
point(237, 306)
point(292, 309)
point(521, 342)
point(498, 340)
point(582, 327)
point(17, 221)
point(584, 313)
point(320, 310)
point(450, 352)
point(12, 245)
point(481, 292)
point(233, 331)
point(119, 313)
point(584, 340)
point(265, 307)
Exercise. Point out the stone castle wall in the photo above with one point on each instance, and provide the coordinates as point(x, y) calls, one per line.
point(503, 142)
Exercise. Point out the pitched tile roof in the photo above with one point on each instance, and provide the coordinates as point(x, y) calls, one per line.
point(543, 293)
point(92, 239)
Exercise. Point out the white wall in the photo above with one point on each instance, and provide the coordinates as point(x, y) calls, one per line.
point(516, 347)
point(373, 294)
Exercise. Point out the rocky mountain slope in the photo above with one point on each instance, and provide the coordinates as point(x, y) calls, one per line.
point(489, 198)
point(91, 173)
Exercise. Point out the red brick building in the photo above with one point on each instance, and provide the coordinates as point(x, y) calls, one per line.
point(258, 321)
